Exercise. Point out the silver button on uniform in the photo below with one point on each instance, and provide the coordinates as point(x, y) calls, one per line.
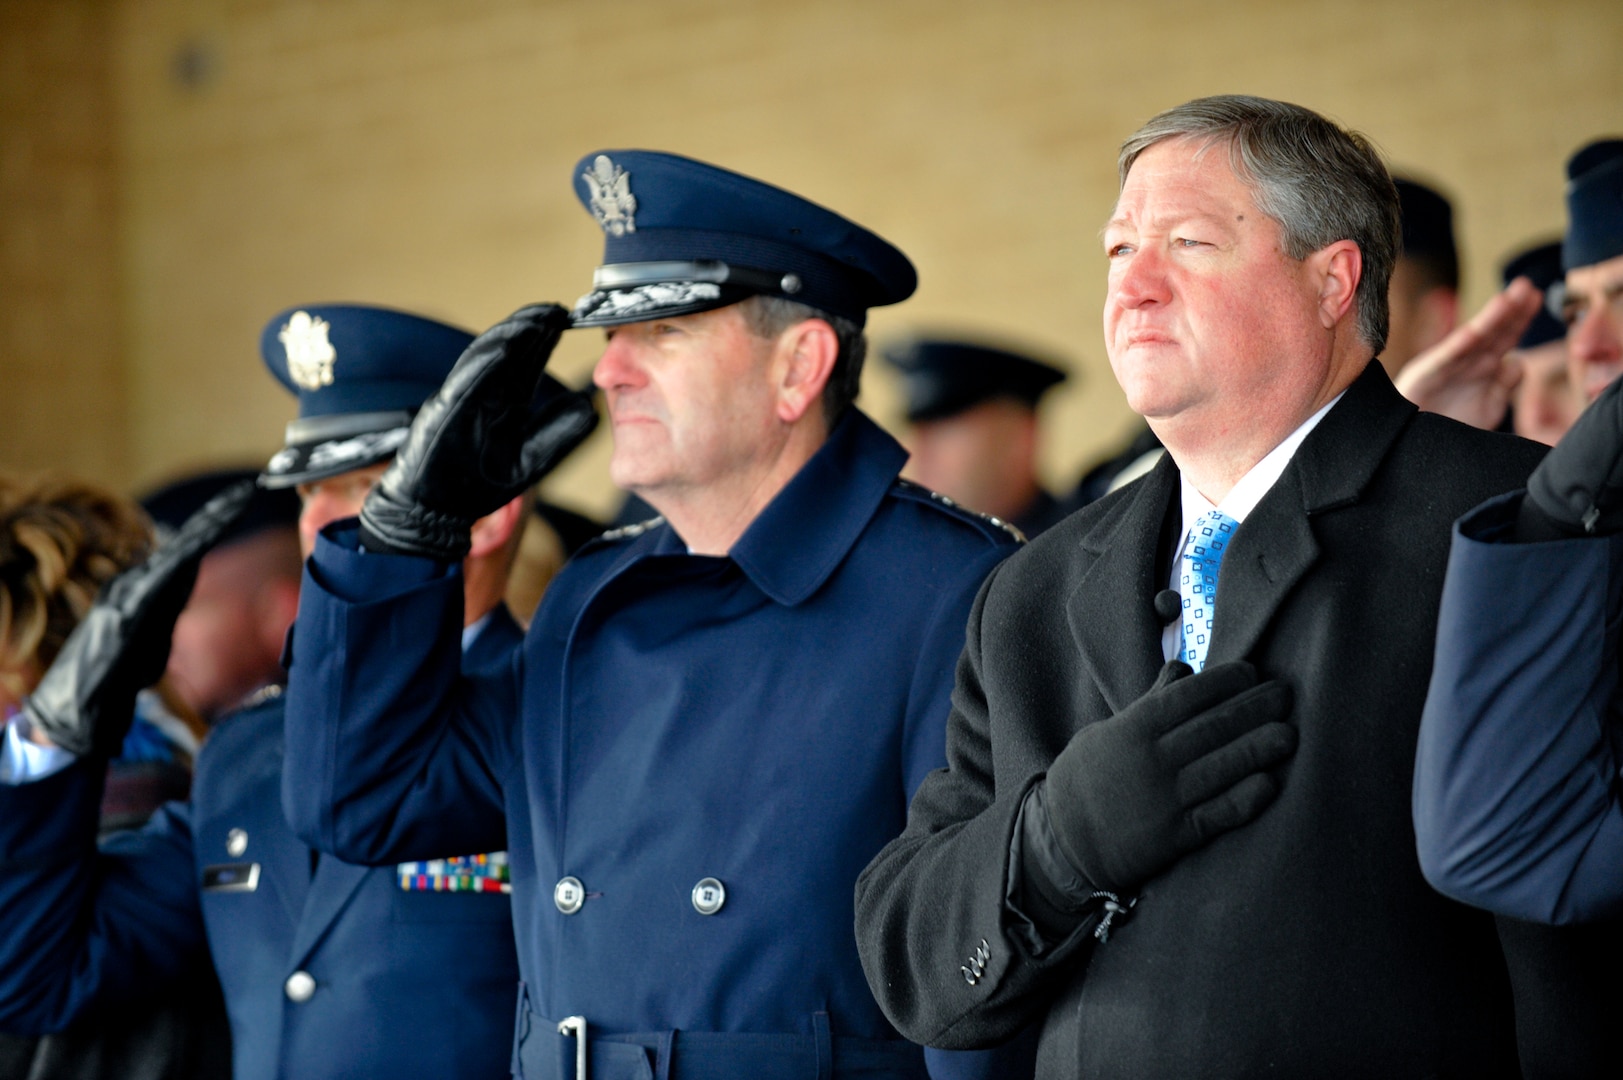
point(708, 896)
point(569, 895)
point(300, 986)
point(236, 842)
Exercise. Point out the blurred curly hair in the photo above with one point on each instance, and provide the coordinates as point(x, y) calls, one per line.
point(61, 540)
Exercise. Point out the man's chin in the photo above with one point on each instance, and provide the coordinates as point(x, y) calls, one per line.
point(639, 479)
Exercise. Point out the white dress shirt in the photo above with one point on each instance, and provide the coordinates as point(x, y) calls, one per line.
point(1242, 498)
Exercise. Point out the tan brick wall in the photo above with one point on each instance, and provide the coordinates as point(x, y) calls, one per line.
point(417, 153)
point(62, 404)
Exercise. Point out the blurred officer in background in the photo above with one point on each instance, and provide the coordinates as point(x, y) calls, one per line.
point(723, 711)
point(1513, 352)
point(972, 410)
point(1588, 298)
point(1545, 401)
point(61, 542)
point(1120, 467)
point(328, 969)
point(1424, 296)
point(1516, 796)
point(551, 538)
point(228, 642)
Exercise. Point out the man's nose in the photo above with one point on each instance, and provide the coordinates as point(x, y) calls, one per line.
point(1598, 335)
point(617, 366)
point(1140, 279)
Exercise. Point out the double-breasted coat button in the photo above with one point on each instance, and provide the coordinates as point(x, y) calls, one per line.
point(236, 842)
point(300, 986)
point(569, 895)
point(708, 896)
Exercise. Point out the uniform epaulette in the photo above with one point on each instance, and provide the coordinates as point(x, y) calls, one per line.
point(268, 692)
point(252, 703)
point(630, 532)
point(921, 492)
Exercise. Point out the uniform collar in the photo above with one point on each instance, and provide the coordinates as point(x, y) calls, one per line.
point(793, 546)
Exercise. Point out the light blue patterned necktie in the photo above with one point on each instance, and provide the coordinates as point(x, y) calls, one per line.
point(1197, 582)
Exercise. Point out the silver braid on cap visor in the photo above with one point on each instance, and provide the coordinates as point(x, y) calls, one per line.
point(619, 303)
point(622, 290)
point(334, 457)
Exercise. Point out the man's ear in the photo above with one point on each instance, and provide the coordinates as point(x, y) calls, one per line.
point(808, 351)
point(1340, 266)
point(493, 530)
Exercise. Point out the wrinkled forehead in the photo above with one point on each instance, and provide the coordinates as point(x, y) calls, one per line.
point(1200, 146)
point(1184, 174)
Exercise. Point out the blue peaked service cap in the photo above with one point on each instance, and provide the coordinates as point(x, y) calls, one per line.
point(360, 374)
point(942, 377)
point(1594, 204)
point(681, 237)
point(1542, 266)
point(171, 505)
point(1427, 218)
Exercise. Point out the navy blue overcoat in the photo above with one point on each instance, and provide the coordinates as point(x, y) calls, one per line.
point(711, 749)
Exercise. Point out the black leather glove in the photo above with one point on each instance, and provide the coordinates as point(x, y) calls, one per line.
point(86, 701)
point(495, 428)
point(1186, 762)
point(1577, 490)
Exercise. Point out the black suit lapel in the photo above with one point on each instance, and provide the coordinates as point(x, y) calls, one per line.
point(1111, 610)
point(1275, 546)
point(1268, 556)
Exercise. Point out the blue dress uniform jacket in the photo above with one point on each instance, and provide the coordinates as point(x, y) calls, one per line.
point(1516, 780)
point(404, 983)
point(711, 749)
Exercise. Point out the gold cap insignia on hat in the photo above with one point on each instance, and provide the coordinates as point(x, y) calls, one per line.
point(310, 355)
point(612, 201)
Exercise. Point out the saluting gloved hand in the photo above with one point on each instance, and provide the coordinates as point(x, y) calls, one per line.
point(1577, 489)
point(1186, 762)
point(86, 701)
point(495, 428)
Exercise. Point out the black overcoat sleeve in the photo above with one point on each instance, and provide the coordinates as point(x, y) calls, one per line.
point(950, 962)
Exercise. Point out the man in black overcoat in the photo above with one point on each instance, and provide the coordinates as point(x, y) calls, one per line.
point(1174, 828)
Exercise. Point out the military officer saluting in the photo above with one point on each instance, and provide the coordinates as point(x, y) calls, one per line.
point(328, 969)
point(721, 712)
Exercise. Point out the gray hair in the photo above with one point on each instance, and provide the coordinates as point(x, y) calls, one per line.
point(1320, 182)
point(769, 316)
